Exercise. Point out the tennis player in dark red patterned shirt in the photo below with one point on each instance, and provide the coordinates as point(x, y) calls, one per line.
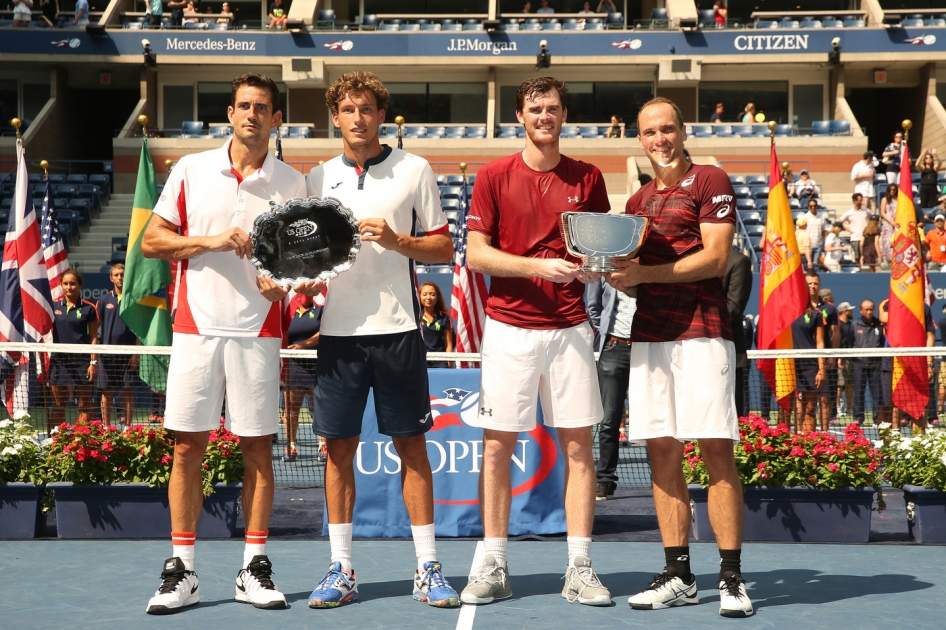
point(683, 360)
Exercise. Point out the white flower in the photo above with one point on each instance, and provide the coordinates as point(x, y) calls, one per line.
point(942, 458)
point(47, 442)
point(8, 451)
point(54, 431)
point(5, 423)
point(883, 426)
point(905, 445)
point(878, 443)
point(18, 447)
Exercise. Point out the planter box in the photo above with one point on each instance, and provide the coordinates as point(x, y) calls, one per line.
point(794, 514)
point(21, 514)
point(136, 510)
point(926, 514)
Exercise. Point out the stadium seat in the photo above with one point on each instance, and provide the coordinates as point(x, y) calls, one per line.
point(840, 127)
point(594, 26)
point(220, 131)
point(615, 21)
point(65, 190)
point(84, 207)
point(393, 21)
point(789, 23)
point(35, 178)
point(722, 131)
point(911, 23)
point(755, 230)
point(745, 204)
point(572, 26)
point(476, 131)
point(821, 127)
point(548, 26)
point(935, 22)
point(77, 178)
point(302, 131)
point(783, 130)
point(222, 26)
point(431, 27)
point(810, 24)
point(56, 178)
point(756, 242)
point(832, 23)
point(570, 131)
point(454, 180)
point(455, 132)
point(766, 24)
point(451, 203)
point(451, 192)
point(707, 18)
point(853, 22)
point(413, 28)
point(658, 18)
point(530, 26)
point(760, 192)
point(742, 131)
point(507, 132)
point(369, 22)
point(756, 180)
point(390, 28)
point(742, 191)
point(436, 132)
point(192, 127)
point(478, 26)
point(737, 180)
point(326, 19)
point(451, 26)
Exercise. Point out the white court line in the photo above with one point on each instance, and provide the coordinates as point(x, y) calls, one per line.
point(468, 611)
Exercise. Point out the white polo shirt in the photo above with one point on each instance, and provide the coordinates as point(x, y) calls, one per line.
point(378, 295)
point(217, 294)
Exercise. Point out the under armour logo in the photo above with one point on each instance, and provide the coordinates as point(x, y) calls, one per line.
point(485, 411)
point(337, 185)
point(572, 199)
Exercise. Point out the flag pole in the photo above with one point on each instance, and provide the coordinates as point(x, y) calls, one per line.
point(143, 121)
point(907, 126)
point(15, 123)
point(169, 164)
point(399, 121)
point(45, 166)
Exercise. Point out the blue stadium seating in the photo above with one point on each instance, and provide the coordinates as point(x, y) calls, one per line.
point(455, 132)
point(783, 130)
point(737, 180)
point(56, 178)
point(840, 127)
point(432, 27)
point(414, 28)
point(506, 132)
point(911, 23)
point(755, 230)
point(615, 21)
point(192, 127)
point(369, 22)
point(757, 180)
point(743, 192)
point(659, 18)
point(809, 23)
point(77, 178)
point(745, 204)
point(570, 131)
point(707, 18)
point(722, 131)
point(821, 127)
point(326, 19)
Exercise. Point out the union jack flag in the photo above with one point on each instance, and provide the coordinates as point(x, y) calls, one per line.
point(54, 249)
point(468, 297)
point(26, 312)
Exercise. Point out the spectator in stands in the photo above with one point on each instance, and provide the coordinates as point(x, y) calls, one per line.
point(717, 116)
point(720, 12)
point(834, 248)
point(585, 10)
point(606, 6)
point(805, 187)
point(788, 179)
point(804, 241)
point(81, 17)
point(888, 216)
point(818, 224)
point(71, 375)
point(868, 333)
point(545, 8)
point(22, 13)
point(862, 174)
point(891, 157)
point(277, 15)
point(856, 218)
point(870, 244)
point(808, 333)
point(189, 11)
point(749, 114)
point(527, 7)
point(154, 10)
point(119, 371)
point(616, 130)
point(177, 11)
point(845, 373)
point(827, 397)
point(928, 164)
point(226, 16)
point(302, 333)
point(936, 239)
point(435, 324)
point(50, 10)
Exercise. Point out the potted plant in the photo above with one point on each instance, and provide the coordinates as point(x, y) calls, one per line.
point(21, 488)
point(113, 484)
point(918, 465)
point(809, 487)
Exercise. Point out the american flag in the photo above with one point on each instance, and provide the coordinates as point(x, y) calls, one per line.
point(54, 250)
point(26, 311)
point(468, 298)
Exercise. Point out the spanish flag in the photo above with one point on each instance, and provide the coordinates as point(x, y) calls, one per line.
point(906, 325)
point(144, 304)
point(783, 293)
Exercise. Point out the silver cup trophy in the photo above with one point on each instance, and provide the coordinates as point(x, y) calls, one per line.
point(305, 239)
point(596, 238)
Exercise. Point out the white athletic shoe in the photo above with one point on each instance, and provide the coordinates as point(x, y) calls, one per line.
point(733, 600)
point(178, 589)
point(254, 585)
point(665, 591)
point(582, 585)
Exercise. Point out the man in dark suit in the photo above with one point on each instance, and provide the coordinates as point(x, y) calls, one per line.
point(737, 282)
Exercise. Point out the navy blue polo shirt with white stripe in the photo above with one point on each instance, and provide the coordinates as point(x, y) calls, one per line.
point(113, 330)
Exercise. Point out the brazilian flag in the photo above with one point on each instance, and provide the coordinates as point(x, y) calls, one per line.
point(144, 304)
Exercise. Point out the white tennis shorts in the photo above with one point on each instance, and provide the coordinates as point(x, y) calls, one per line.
point(683, 389)
point(203, 369)
point(523, 365)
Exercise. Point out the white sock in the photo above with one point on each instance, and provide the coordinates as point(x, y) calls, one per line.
point(577, 547)
point(182, 546)
point(425, 544)
point(496, 547)
point(255, 546)
point(340, 538)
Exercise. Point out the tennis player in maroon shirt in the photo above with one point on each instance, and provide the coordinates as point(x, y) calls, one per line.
point(683, 360)
point(537, 342)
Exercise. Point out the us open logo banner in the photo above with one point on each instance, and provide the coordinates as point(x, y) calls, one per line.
point(455, 450)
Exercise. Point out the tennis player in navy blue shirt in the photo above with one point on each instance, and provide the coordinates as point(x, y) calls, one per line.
point(71, 375)
point(118, 371)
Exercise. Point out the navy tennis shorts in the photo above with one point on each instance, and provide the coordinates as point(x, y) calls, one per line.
point(393, 366)
point(117, 371)
point(69, 370)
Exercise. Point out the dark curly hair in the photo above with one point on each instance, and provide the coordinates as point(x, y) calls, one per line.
point(538, 86)
point(356, 83)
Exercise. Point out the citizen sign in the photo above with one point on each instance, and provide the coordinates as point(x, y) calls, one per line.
point(175, 43)
point(771, 42)
point(479, 45)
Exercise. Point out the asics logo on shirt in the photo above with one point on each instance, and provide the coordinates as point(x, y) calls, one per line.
point(337, 185)
point(688, 180)
point(572, 199)
point(723, 211)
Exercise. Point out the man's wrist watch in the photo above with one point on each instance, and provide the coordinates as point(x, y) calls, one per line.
point(94, 362)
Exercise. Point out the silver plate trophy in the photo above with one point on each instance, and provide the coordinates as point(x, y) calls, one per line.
point(596, 238)
point(305, 239)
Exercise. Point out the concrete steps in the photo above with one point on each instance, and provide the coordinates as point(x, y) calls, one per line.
point(95, 247)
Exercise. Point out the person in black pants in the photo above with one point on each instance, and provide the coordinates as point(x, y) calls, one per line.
point(611, 313)
point(737, 282)
point(868, 333)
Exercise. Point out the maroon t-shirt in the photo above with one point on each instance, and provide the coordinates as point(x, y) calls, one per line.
point(685, 310)
point(520, 210)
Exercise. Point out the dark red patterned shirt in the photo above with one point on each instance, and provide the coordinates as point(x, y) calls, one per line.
point(685, 310)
